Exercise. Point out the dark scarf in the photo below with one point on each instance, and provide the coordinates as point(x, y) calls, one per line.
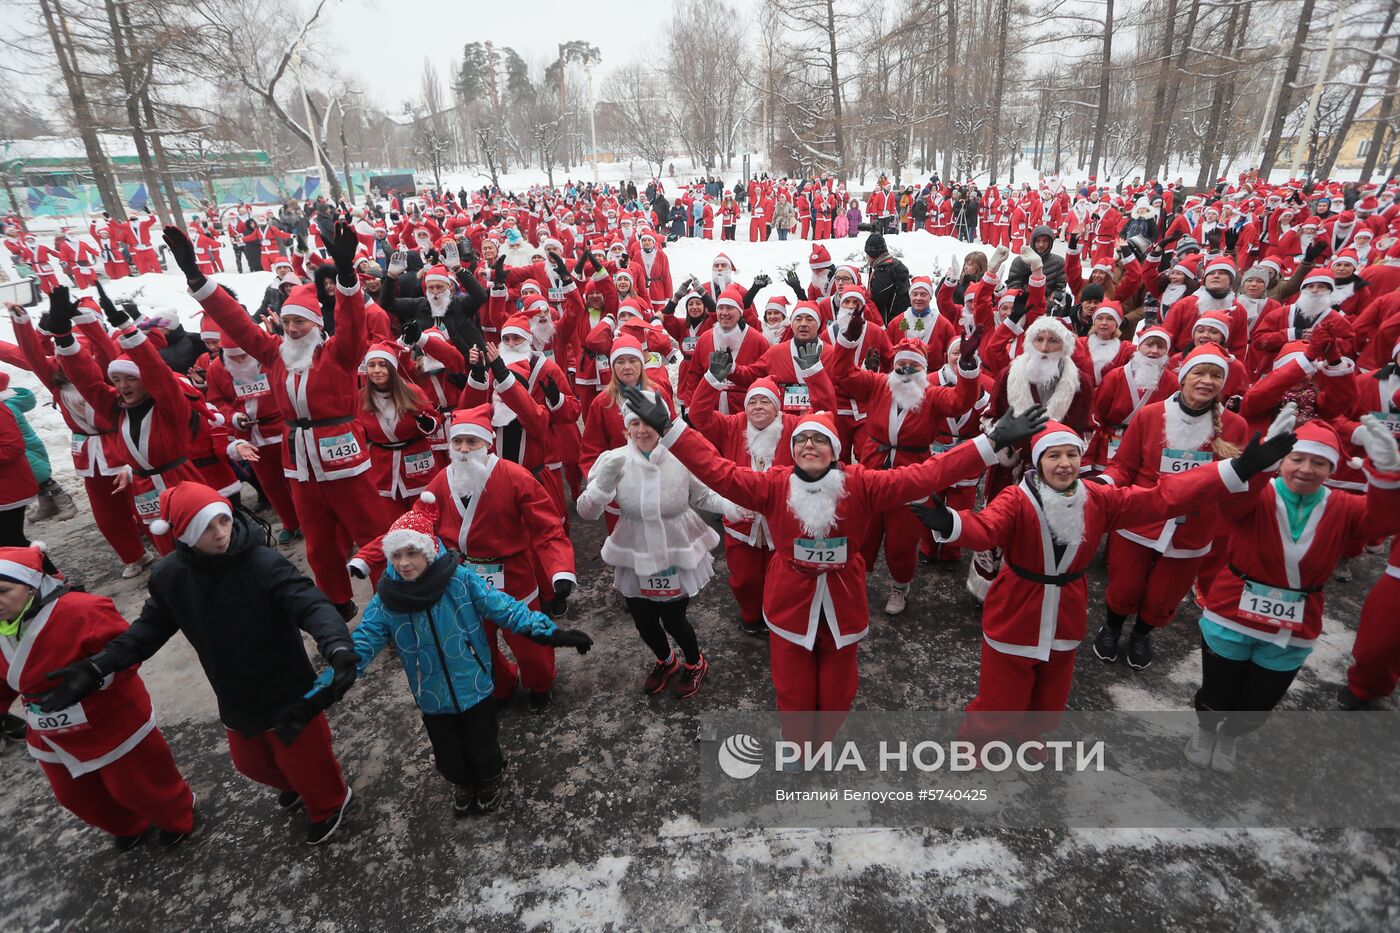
point(399, 595)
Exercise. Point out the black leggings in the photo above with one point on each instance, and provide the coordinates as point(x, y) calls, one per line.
point(1237, 696)
point(465, 747)
point(652, 617)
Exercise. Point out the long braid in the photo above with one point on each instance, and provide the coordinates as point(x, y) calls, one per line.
point(1221, 447)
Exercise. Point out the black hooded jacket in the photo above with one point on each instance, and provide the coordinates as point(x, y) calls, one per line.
point(243, 612)
point(1053, 266)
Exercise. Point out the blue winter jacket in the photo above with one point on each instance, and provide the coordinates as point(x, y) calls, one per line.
point(450, 634)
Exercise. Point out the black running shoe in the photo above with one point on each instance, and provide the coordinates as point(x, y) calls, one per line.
point(320, 832)
point(347, 610)
point(539, 702)
point(13, 727)
point(289, 800)
point(464, 801)
point(170, 838)
point(1140, 649)
point(1106, 644)
point(489, 797)
point(127, 843)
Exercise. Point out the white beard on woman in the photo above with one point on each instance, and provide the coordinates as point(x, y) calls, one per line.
point(1145, 371)
point(297, 353)
point(908, 390)
point(438, 302)
point(1172, 293)
point(542, 331)
point(466, 474)
point(1187, 432)
point(1205, 301)
point(1064, 513)
point(763, 444)
point(773, 333)
point(1311, 305)
point(1102, 352)
point(815, 503)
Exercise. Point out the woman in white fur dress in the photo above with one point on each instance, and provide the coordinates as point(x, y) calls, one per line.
point(660, 547)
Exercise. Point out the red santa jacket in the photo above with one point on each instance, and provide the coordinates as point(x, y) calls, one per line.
point(897, 436)
point(1116, 402)
point(752, 348)
point(245, 399)
point(1184, 313)
point(402, 459)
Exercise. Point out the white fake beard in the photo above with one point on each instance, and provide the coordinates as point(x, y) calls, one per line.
point(1252, 306)
point(820, 278)
point(908, 391)
point(763, 444)
point(1173, 293)
point(1205, 301)
point(1312, 305)
point(720, 281)
point(1186, 432)
point(728, 339)
point(466, 474)
point(511, 355)
point(773, 333)
point(542, 331)
point(843, 319)
point(814, 504)
point(1102, 352)
point(438, 302)
point(501, 414)
point(1042, 369)
point(1064, 513)
point(241, 366)
point(1146, 372)
point(297, 353)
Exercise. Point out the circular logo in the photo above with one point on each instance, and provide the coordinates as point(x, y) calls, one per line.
point(740, 756)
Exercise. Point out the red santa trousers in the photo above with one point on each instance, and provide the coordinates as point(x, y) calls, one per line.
point(124, 798)
point(116, 270)
point(823, 229)
point(307, 766)
point(1143, 582)
point(332, 511)
point(1009, 683)
point(748, 567)
point(534, 668)
point(756, 228)
point(1376, 655)
point(268, 469)
point(806, 227)
point(815, 687)
point(900, 530)
point(145, 260)
point(115, 515)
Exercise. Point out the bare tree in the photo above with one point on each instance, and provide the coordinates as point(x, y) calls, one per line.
point(639, 109)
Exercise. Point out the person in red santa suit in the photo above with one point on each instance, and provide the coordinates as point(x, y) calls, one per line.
point(1215, 294)
point(1213, 328)
point(44, 261)
point(80, 255)
point(399, 422)
point(143, 251)
point(1375, 667)
point(650, 264)
point(1101, 351)
point(1143, 379)
point(1352, 293)
point(817, 511)
point(110, 238)
point(1263, 616)
point(731, 334)
point(508, 532)
point(780, 362)
point(603, 428)
point(105, 760)
point(905, 409)
point(688, 314)
point(866, 342)
point(600, 302)
point(822, 282)
point(207, 250)
point(313, 379)
point(1049, 526)
point(1155, 564)
point(150, 406)
point(759, 437)
point(922, 322)
point(1284, 323)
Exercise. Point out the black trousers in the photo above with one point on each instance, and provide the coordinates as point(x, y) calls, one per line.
point(655, 620)
point(465, 747)
point(12, 528)
point(1237, 696)
point(253, 253)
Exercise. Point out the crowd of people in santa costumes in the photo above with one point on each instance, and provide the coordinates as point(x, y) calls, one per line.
point(439, 397)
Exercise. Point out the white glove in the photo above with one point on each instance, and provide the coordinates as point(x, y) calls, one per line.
point(607, 472)
point(1285, 422)
point(1379, 444)
point(1031, 258)
point(450, 258)
point(999, 256)
point(398, 262)
point(736, 513)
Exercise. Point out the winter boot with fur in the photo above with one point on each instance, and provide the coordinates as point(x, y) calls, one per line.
point(54, 503)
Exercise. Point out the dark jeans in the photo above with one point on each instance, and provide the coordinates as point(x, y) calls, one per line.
point(1237, 696)
point(465, 748)
point(253, 253)
point(655, 620)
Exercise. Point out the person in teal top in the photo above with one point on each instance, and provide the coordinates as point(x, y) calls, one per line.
point(432, 607)
point(53, 500)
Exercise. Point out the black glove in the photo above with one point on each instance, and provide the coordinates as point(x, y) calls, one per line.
point(655, 414)
point(566, 638)
point(1073, 241)
point(61, 312)
point(1315, 249)
point(345, 662)
point(762, 280)
point(1012, 428)
point(721, 364)
point(500, 370)
point(469, 257)
point(357, 572)
point(1259, 456)
point(1232, 237)
point(1213, 240)
point(343, 249)
point(182, 251)
point(872, 361)
point(498, 270)
point(292, 720)
point(967, 349)
point(623, 260)
point(809, 354)
point(115, 316)
point(301, 244)
point(79, 679)
point(936, 517)
point(560, 267)
point(552, 395)
point(412, 333)
point(1018, 307)
point(794, 283)
point(1138, 252)
point(578, 266)
point(426, 423)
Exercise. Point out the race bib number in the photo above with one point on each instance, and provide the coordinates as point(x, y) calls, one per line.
point(796, 398)
point(664, 584)
point(819, 553)
point(1181, 461)
point(77, 446)
point(72, 719)
point(257, 387)
point(688, 344)
point(556, 294)
point(418, 464)
point(1272, 605)
point(493, 575)
point(1391, 420)
point(148, 504)
point(338, 449)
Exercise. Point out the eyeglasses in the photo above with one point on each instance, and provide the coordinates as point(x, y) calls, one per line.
point(810, 437)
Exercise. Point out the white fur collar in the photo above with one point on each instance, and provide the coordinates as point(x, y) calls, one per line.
point(1064, 513)
point(1183, 431)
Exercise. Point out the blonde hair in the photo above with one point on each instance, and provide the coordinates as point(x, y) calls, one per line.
point(614, 387)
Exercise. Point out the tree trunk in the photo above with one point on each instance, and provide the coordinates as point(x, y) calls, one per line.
point(1383, 117)
point(998, 86)
point(1175, 89)
point(1157, 135)
point(839, 131)
point(154, 195)
point(1340, 136)
point(82, 111)
point(1101, 119)
point(1210, 143)
point(949, 87)
point(1290, 74)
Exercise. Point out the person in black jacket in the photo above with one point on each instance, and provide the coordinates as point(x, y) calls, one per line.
point(1052, 266)
point(889, 278)
point(243, 606)
point(459, 315)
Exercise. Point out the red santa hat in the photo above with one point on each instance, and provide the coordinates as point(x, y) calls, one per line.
point(1205, 353)
point(733, 297)
point(1270, 262)
point(23, 565)
point(303, 302)
point(517, 324)
point(1112, 309)
point(1156, 330)
point(530, 285)
point(385, 352)
point(820, 258)
point(852, 291)
point(1319, 276)
point(633, 306)
point(1295, 351)
point(208, 329)
point(912, 351)
point(1054, 434)
point(1221, 264)
point(852, 269)
point(1317, 438)
point(1346, 255)
point(537, 306)
point(767, 387)
point(921, 282)
point(626, 345)
point(1188, 265)
point(822, 422)
point(472, 422)
point(187, 509)
point(625, 274)
point(437, 274)
point(1220, 320)
point(725, 257)
point(1367, 206)
point(778, 302)
point(412, 530)
point(123, 365)
point(808, 308)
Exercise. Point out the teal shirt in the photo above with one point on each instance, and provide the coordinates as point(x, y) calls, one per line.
point(19, 402)
point(1299, 508)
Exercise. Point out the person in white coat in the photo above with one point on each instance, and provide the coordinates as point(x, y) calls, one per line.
point(660, 547)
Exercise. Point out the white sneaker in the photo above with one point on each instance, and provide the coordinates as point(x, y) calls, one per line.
point(134, 568)
point(1200, 746)
point(899, 598)
point(1224, 758)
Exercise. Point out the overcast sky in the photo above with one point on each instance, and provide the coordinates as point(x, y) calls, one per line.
point(373, 32)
